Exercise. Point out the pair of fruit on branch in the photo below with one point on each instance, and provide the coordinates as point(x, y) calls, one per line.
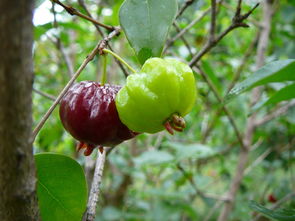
point(154, 99)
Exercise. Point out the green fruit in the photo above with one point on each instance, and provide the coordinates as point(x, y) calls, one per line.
point(158, 97)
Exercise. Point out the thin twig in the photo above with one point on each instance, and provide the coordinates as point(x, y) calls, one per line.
point(278, 112)
point(58, 44)
point(73, 11)
point(237, 21)
point(82, 4)
point(237, 76)
point(224, 108)
point(213, 21)
point(258, 160)
point(239, 8)
point(183, 38)
point(212, 211)
point(195, 187)
point(95, 187)
point(250, 127)
point(251, 20)
point(48, 96)
point(184, 7)
point(188, 27)
point(89, 58)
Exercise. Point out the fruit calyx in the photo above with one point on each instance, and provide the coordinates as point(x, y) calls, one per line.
point(174, 122)
point(88, 148)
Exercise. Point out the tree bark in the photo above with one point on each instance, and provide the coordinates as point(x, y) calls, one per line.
point(18, 201)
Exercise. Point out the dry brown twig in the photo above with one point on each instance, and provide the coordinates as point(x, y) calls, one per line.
point(73, 11)
point(237, 21)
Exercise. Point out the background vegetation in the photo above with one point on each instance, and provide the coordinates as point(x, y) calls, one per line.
point(188, 176)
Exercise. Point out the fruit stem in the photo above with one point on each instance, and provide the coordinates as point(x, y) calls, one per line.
point(104, 71)
point(120, 59)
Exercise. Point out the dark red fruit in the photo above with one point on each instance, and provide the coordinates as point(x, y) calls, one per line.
point(272, 198)
point(88, 112)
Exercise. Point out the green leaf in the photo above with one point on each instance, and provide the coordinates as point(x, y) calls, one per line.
point(61, 187)
point(153, 157)
point(281, 215)
point(146, 24)
point(41, 30)
point(286, 93)
point(277, 71)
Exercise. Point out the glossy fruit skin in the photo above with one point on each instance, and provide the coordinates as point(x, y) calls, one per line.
point(162, 88)
point(88, 112)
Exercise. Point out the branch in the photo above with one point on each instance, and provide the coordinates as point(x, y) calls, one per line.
point(183, 31)
point(239, 8)
point(213, 21)
point(184, 7)
point(278, 112)
point(258, 160)
point(95, 187)
point(212, 211)
point(224, 108)
point(253, 21)
point(48, 96)
point(58, 44)
point(250, 127)
point(183, 38)
point(237, 21)
point(237, 76)
point(195, 187)
point(82, 3)
point(89, 58)
point(73, 11)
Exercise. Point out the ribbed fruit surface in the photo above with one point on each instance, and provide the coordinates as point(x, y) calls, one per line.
point(88, 112)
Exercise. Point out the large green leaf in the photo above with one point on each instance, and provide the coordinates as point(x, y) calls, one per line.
point(277, 71)
point(281, 215)
point(61, 187)
point(146, 24)
point(284, 94)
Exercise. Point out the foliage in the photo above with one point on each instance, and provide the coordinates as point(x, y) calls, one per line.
point(164, 177)
point(61, 187)
point(281, 215)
